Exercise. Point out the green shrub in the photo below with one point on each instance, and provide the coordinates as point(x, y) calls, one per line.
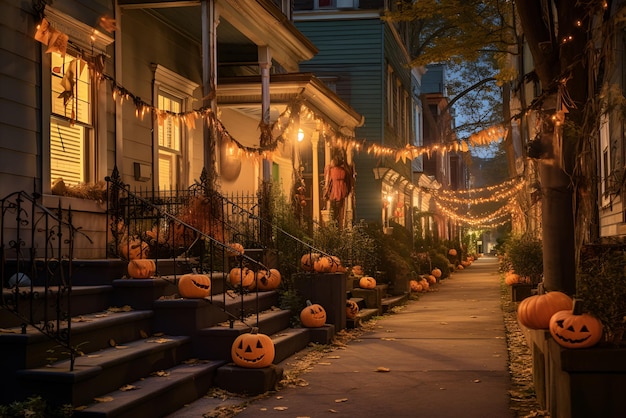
point(601, 285)
point(524, 254)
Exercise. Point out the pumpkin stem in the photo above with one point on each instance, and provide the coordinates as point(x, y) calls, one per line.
point(254, 330)
point(308, 303)
point(578, 307)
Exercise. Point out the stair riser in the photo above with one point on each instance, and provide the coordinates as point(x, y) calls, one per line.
point(66, 388)
point(215, 343)
point(84, 300)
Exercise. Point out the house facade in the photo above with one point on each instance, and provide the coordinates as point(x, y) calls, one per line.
point(136, 87)
point(365, 60)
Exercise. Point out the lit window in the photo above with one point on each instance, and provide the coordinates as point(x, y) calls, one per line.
point(71, 120)
point(170, 140)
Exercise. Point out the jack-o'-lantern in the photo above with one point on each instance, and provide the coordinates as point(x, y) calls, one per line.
point(234, 249)
point(575, 329)
point(194, 286)
point(133, 249)
point(313, 315)
point(367, 282)
point(253, 350)
point(307, 262)
point(415, 286)
point(241, 277)
point(535, 311)
point(436, 272)
point(268, 279)
point(352, 309)
point(141, 268)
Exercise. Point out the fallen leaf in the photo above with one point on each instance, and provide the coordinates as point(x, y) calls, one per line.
point(112, 342)
point(121, 346)
point(159, 340)
point(382, 369)
point(476, 381)
point(341, 400)
point(103, 399)
point(333, 357)
point(126, 388)
point(143, 334)
point(443, 323)
point(161, 373)
point(334, 411)
point(281, 408)
point(388, 339)
point(324, 363)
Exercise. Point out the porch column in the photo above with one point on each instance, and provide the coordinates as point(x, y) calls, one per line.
point(326, 210)
point(265, 64)
point(350, 203)
point(315, 137)
point(210, 21)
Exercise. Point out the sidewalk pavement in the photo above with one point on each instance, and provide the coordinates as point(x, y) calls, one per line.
point(446, 356)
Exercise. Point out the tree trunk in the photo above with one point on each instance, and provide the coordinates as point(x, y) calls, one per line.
point(557, 42)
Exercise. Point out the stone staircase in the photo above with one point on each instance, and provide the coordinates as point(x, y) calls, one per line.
point(145, 352)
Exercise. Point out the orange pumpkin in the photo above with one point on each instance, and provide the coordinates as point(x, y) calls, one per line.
point(352, 309)
point(194, 286)
point(268, 280)
point(452, 252)
point(241, 277)
point(253, 350)
point(133, 249)
point(307, 262)
point(415, 286)
point(436, 272)
point(234, 249)
point(313, 315)
point(358, 271)
point(575, 329)
point(367, 282)
point(141, 268)
point(535, 311)
point(432, 279)
point(324, 264)
point(425, 285)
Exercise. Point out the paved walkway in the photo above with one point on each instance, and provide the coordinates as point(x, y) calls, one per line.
point(446, 356)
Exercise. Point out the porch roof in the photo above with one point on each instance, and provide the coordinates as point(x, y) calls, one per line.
point(245, 93)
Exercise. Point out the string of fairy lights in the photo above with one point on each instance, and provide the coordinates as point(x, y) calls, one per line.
point(271, 134)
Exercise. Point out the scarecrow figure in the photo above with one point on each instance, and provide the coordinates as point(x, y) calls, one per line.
point(338, 181)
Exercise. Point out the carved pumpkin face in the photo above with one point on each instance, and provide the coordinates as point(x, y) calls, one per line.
point(141, 268)
point(253, 350)
point(308, 261)
point(572, 330)
point(367, 282)
point(313, 315)
point(352, 309)
point(268, 280)
point(194, 286)
point(241, 277)
point(415, 286)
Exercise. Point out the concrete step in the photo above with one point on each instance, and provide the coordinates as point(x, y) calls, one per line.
point(389, 301)
point(215, 342)
point(158, 395)
point(85, 299)
point(363, 316)
point(187, 316)
point(90, 333)
point(103, 371)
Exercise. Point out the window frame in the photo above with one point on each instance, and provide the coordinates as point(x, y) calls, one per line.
point(169, 83)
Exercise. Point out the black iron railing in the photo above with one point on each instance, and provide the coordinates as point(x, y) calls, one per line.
point(37, 249)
